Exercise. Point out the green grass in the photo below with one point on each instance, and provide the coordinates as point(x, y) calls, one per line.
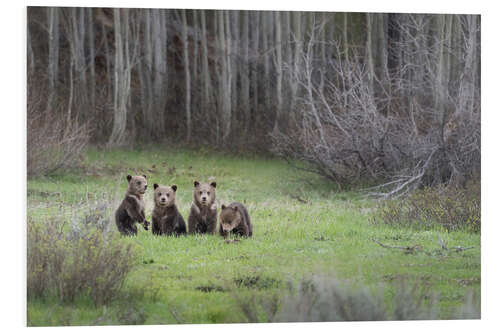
point(193, 279)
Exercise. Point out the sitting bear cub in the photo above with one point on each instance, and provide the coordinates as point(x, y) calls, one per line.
point(166, 217)
point(234, 219)
point(131, 210)
point(203, 214)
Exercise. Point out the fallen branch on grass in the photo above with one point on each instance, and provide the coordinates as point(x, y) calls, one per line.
point(300, 199)
point(407, 249)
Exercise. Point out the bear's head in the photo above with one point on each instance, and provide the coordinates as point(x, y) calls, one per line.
point(230, 218)
point(164, 195)
point(137, 184)
point(204, 194)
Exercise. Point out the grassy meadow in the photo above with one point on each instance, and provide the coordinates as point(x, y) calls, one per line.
point(303, 227)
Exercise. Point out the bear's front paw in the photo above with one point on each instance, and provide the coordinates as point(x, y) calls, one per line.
point(145, 224)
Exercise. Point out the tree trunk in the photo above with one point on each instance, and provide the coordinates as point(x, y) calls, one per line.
point(187, 75)
point(244, 74)
point(279, 72)
point(207, 105)
point(53, 63)
point(91, 41)
point(121, 78)
point(369, 53)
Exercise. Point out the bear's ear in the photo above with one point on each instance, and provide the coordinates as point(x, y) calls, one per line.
point(155, 186)
point(196, 183)
point(174, 187)
point(213, 184)
point(129, 177)
point(144, 176)
point(223, 206)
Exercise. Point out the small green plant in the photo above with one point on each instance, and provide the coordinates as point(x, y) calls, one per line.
point(82, 258)
point(450, 208)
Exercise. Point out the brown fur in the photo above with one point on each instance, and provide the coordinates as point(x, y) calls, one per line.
point(166, 217)
point(203, 214)
point(234, 219)
point(131, 210)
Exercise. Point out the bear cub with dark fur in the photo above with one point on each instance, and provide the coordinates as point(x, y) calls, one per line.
point(203, 214)
point(131, 210)
point(167, 220)
point(234, 219)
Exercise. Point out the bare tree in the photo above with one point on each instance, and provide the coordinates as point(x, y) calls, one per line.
point(53, 70)
point(187, 75)
point(122, 77)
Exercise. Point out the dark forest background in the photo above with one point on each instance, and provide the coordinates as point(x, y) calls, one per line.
point(391, 99)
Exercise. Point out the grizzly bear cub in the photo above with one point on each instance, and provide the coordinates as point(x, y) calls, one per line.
point(166, 217)
point(234, 219)
point(131, 210)
point(203, 214)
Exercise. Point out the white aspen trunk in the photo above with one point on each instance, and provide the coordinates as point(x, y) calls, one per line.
point(468, 79)
point(244, 74)
point(108, 61)
point(323, 22)
point(220, 93)
point(346, 43)
point(145, 75)
point(121, 78)
point(255, 58)
point(369, 54)
point(159, 71)
point(206, 74)
point(196, 55)
point(91, 44)
point(296, 57)
point(279, 72)
point(233, 36)
point(227, 65)
point(187, 75)
point(265, 48)
point(79, 55)
point(53, 71)
point(440, 70)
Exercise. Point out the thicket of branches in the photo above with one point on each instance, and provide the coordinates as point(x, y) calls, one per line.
point(412, 120)
point(357, 96)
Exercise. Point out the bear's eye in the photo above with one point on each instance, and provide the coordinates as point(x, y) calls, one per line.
point(138, 183)
point(159, 194)
point(208, 193)
point(201, 192)
point(168, 194)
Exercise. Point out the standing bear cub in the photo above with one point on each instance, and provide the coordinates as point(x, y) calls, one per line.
point(131, 210)
point(203, 214)
point(166, 217)
point(234, 219)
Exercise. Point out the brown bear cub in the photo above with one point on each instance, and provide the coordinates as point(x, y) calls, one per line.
point(234, 219)
point(131, 210)
point(203, 215)
point(166, 217)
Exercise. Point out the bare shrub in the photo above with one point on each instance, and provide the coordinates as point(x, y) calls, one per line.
point(449, 208)
point(54, 141)
point(402, 130)
point(323, 298)
point(83, 258)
